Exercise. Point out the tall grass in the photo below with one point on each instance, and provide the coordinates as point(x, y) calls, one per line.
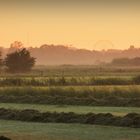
point(77, 91)
point(105, 95)
point(66, 81)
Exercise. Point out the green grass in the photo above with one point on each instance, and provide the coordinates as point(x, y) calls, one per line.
point(34, 131)
point(119, 111)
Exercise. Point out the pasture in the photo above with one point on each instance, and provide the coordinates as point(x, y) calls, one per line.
point(54, 131)
point(71, 90)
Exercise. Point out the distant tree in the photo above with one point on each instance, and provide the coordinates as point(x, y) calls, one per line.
point(126, 61)
point(19, 61)
point(121, 61)
point(16, 45)
point(1, 61)
point(132, 47)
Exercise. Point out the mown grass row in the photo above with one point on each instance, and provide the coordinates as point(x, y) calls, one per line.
point(118, 111)
point(65, 81)
point(95, 96)
point(129, 120)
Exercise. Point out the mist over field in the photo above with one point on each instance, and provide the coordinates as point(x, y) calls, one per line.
point(61, 54)
point(69, 69)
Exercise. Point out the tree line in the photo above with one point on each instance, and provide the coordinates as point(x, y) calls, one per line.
point(126, 61)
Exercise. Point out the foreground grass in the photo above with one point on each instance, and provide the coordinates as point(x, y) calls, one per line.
point(34, 131)
point(119, 111)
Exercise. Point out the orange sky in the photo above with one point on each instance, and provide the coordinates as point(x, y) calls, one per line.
point(80, 24)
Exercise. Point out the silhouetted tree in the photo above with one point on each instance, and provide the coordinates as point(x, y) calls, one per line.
point(19, 61)
point(16, 45)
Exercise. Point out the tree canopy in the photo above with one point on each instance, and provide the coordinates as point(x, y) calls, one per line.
point(19, 61)
point(126, 61)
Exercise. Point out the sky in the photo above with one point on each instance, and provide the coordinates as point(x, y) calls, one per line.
point(89, 24)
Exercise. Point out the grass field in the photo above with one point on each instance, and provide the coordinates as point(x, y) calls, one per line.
point(78, 89)
point(79, 70)
point(119, 111)
point(34, 131)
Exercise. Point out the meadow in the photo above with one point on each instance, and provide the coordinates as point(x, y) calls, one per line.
point(55, 131)
point(76, 93)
